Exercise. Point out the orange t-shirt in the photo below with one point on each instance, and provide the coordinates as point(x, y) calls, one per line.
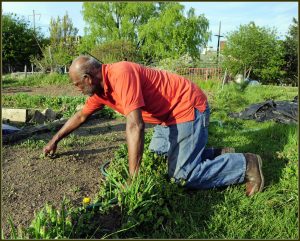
point(164, 98)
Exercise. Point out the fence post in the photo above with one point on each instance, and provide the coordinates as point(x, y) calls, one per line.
point(224, 78)
point(206, 74)
point(25, 70)
point(31, 68)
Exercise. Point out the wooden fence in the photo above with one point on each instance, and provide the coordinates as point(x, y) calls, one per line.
point(201, 73)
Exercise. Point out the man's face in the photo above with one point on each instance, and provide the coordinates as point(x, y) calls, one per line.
point(84, 84)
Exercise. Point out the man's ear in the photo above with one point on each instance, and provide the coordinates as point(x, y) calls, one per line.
point(89, 79)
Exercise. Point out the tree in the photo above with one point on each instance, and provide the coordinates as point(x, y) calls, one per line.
point(19, 42)
point(110, 21)
point(156, 30)
point(254, 51)
point(62, 47)
point(171, 34)
point(291, 53)
point(115, 51)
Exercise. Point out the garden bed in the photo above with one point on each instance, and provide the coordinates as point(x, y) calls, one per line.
point(153, 207)
point(30, 180)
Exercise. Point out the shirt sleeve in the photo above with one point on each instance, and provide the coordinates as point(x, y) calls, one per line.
point(128, 88)
point(92, 104)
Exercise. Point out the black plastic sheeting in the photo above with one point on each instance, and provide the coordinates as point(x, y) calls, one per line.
point(280, 111)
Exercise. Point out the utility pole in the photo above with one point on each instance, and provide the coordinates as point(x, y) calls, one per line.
point(33, 15)
point(218, 47)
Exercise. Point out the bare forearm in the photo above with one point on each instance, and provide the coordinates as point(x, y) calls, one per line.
point(135, 142)
point(73, 123)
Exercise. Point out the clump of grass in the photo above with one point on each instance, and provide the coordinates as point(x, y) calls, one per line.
point(35, 80)
point(63, 104)
point(32, 144)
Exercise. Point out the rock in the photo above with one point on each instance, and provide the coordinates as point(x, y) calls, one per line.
point(49, 114)
point(17, 115)
point(38, 117)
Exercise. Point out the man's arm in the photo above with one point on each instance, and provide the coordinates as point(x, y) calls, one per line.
point(73, 123)
point(135, 140)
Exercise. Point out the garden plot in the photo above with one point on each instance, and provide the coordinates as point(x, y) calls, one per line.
point(31, 180)
point(153, 207)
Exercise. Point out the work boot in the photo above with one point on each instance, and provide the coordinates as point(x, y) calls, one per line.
point(253, 177)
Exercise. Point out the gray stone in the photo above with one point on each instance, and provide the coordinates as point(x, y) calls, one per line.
point(38, 117)
point(49, 114)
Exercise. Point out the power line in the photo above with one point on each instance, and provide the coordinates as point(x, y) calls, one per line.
point(33, 15)
point(218, 47)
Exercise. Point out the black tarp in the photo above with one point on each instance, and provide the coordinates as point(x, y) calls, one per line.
point(280, 111)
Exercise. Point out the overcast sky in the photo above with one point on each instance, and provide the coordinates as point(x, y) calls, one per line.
point(231, 14)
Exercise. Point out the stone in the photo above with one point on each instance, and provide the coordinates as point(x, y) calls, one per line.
point(14, 115)
point(49, 114)
point(38, 117)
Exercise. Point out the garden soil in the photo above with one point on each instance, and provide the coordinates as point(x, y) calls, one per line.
point(29, 181)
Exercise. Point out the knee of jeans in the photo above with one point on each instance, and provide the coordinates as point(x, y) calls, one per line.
point(159, 147)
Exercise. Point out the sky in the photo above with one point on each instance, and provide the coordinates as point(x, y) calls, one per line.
point(276, 15)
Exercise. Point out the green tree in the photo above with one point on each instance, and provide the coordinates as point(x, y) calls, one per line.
point(62, 47)
point(19, 42)
point(171, 34)
point(156, 30)
point(117, 50)
point(254, 51)
point(110, 21)
point(291, 53)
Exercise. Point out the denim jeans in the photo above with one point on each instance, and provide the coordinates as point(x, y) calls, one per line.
point(188, 158)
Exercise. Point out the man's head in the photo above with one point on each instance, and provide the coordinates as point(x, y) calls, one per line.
point(86, 74)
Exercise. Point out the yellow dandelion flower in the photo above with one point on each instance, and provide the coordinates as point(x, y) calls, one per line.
point(86, 200)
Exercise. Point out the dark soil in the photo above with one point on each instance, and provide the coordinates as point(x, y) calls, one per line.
point(29, 181)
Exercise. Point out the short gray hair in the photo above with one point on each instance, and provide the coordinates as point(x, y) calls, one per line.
point(87, 65)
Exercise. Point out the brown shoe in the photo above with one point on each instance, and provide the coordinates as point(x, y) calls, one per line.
point(254, 177)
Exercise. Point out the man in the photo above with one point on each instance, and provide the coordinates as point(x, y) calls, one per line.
point(181, 112)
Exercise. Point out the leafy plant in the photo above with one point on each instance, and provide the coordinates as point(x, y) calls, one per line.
point(254, 51)
point(63, 104)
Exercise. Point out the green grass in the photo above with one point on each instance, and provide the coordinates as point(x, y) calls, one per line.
point(155, 207)
point(66, 105)
point(35, 80)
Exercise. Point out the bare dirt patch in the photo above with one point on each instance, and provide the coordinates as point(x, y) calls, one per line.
point(28, 181)
point(53, 90)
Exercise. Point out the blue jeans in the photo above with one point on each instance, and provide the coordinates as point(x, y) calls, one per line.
point(189, 160)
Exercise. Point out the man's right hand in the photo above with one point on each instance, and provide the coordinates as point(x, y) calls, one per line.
point(74, 122)
point(50, 148)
